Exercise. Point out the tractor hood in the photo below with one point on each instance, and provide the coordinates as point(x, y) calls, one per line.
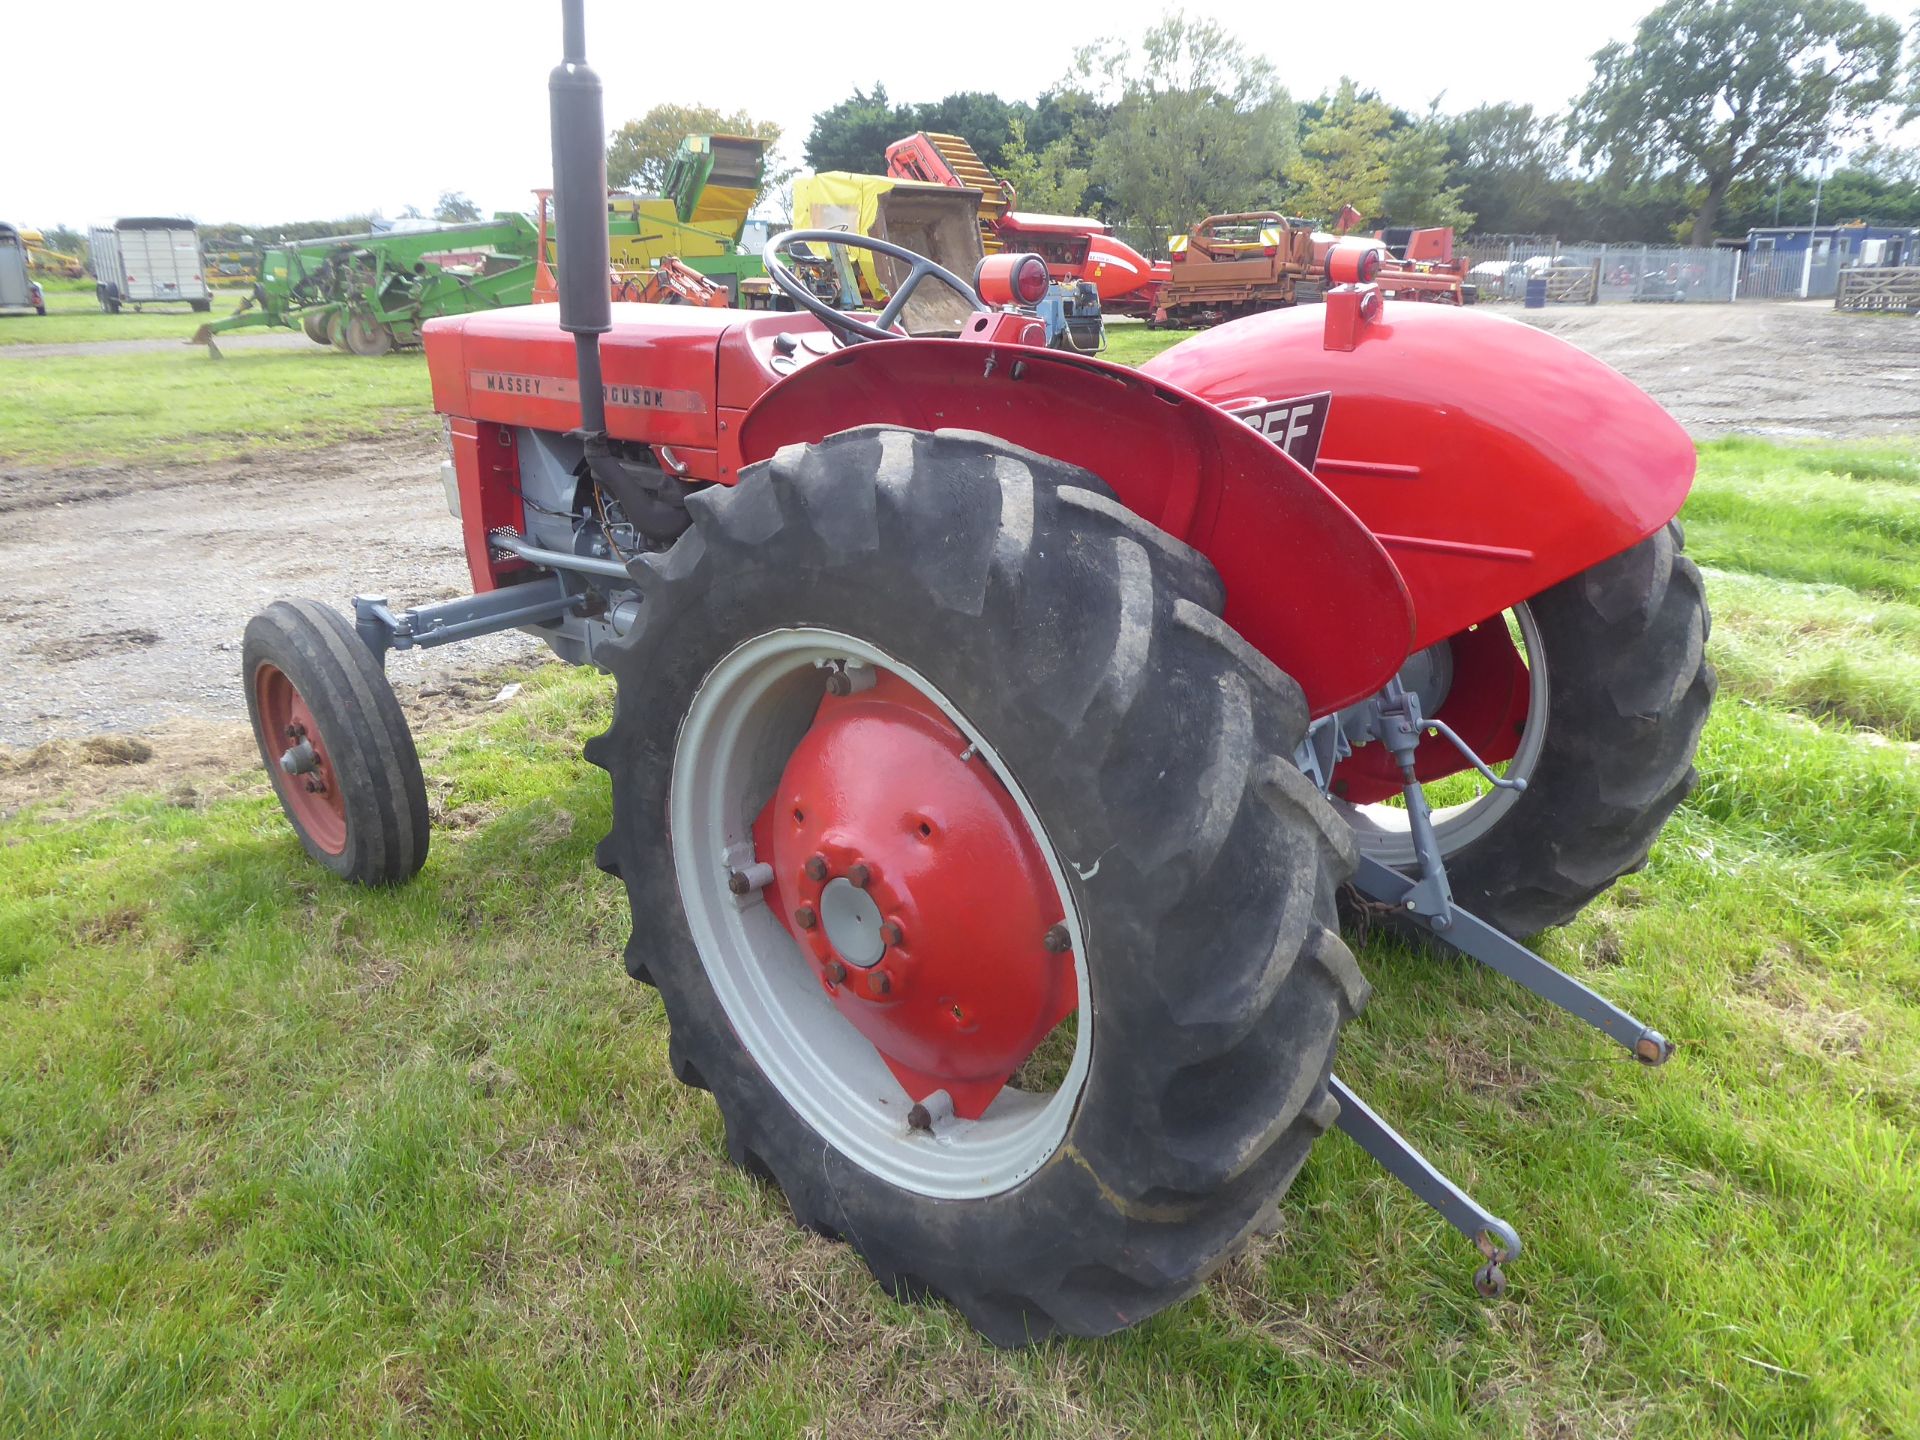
point(1491, 459)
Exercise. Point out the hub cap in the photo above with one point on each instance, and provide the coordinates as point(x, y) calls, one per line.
point(916, 941)
point(303, 772)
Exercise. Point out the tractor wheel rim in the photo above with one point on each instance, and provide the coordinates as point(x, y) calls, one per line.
point(285, 721)
point(743, 724)
point(1382, 829)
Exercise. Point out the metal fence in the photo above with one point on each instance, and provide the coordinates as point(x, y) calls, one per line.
point(1501, 266)
point(1580, 272)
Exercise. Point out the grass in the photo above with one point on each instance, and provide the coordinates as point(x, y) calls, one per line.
point(181, 404)
point(75, 316)
point(282, 1158)
point(1131, 344)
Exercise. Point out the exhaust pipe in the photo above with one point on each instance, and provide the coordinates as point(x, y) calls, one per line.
point(579, 134)
point(652, 501)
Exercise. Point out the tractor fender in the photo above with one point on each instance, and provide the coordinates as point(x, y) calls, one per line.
point(1490, 458)
point(1306, 585)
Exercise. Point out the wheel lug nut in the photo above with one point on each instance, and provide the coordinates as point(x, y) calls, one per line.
point(919, 1118)
point(805, 918)
point(1057, 940)
point(881, 983)
point(836, 972)
point(858, 876)
point(892, 933)
point(757, 876)
point(816, 867)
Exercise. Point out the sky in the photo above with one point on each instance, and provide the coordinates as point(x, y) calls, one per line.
point(278, 118)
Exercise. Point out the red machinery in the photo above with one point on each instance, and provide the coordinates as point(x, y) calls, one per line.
point(1419, 264)
point(995, 726)
point(1232, 265)
point(1074, 247)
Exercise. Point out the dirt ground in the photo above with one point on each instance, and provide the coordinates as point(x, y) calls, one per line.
point(128, 590)
point(1798, 369)
point(129, 587)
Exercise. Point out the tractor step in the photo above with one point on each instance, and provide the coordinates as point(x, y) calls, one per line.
point(1473, 937)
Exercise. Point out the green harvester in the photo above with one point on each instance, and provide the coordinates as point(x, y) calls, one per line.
point(371, 293)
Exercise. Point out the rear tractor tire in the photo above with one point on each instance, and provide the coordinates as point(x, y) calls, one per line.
point(854, 661)
point(1621, 663)
point(335, 740)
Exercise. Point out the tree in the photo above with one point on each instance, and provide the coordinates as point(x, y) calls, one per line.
point(1878, 184)
point(1720, 90)
point(1418, 171)
point(1343, 156)
point(1511, 166)
point(984, 121)
point(854, 134)
point(639, 152)
point(454, 207)
point(1048, 182)
point(1909, 96)
point(1200, 126)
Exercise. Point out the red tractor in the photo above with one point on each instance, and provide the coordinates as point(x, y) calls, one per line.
point(1001, 734)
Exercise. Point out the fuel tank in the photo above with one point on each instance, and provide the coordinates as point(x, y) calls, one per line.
point(1490, 459)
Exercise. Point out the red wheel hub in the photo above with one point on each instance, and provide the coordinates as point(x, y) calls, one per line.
point(298, 757)
point(908, 877)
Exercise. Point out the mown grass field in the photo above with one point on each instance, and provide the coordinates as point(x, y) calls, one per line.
point(74, 315)
point(282, 1158)
point(180, 405)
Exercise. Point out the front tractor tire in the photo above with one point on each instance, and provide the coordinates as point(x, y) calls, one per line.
point(336, 743)
point(1621, 663)
point(896, 641)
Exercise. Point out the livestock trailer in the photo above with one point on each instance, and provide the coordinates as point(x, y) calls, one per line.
point(17, 289)
point(149, 260)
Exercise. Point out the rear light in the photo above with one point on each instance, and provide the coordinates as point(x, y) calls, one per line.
point(1030, 279)
point(1271, 251)
point(1352, 264)
point(1011, 279)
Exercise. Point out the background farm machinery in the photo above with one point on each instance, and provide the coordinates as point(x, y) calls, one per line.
point(711, 186)
point(372, 293)
point(1076, 248)
point(1228, 266)
point(43, 259)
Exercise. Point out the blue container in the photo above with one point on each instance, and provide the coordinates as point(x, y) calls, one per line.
point(1536, 292)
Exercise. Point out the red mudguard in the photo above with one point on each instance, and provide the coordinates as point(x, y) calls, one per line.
point(1306, 584)
point(1491, 459)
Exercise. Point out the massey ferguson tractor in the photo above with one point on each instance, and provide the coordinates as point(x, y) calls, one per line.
point(1002, 736)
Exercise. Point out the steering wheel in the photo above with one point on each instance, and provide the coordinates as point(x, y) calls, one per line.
point(850, 327)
